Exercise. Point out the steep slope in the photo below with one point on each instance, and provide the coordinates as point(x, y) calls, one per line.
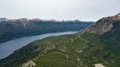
point(103, 25)
point(11, 29)
point(97, 45)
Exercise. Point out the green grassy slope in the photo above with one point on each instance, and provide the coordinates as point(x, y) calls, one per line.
point(79, 50)
point(65, 51)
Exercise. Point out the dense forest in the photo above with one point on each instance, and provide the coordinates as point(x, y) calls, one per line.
point(11, 29)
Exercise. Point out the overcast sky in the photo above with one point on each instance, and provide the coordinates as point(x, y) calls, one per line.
point(87, 10)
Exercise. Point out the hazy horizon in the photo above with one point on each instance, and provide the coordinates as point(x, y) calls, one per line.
point(85, 10)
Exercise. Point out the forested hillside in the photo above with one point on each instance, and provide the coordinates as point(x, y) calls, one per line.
point(11, 29)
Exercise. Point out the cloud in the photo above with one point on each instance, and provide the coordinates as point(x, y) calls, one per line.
point(59, 9)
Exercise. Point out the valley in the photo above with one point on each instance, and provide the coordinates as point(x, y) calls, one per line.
point(11, 29)
point(95, 46)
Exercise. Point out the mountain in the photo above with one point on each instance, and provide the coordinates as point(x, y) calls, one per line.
point(96, 46)
point(118, 14)
point(3, 19)
point(103, 25)
point(16, 28)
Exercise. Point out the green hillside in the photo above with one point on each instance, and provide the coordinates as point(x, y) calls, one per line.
point(96, 45)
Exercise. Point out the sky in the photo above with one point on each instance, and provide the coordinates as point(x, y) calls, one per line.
point(85, 10)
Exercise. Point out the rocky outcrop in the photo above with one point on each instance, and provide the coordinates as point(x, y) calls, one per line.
point(103, 25)
point(30, 63)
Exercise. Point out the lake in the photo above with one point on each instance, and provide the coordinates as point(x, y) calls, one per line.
point(9, 47)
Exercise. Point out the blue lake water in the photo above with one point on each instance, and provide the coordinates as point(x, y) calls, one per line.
point(9, 47)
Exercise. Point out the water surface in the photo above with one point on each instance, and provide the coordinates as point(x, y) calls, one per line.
point(9, 47)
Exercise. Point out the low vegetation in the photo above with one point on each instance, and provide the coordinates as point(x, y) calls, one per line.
point(84, 49)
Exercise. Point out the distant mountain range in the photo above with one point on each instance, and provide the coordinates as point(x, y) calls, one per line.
point(96, 46)
point(11, 29)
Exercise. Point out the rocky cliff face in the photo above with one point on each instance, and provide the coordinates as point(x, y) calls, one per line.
point(103, 25)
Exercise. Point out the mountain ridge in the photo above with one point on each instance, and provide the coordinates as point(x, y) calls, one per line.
point(12, 29)
point(103, 25)
point(38, 19)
